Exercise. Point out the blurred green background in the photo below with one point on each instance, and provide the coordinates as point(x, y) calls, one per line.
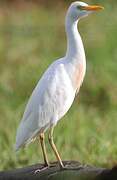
point(32, 36)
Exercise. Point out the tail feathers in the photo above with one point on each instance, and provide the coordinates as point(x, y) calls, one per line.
point(17, 147)
point(24, 136)
point(27, 130)
point(25, 144)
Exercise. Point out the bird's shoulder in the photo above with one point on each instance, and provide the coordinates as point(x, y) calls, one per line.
point(54, 73)
point(54, 68)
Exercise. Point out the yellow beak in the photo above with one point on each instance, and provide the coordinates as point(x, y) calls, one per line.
point(92, 8)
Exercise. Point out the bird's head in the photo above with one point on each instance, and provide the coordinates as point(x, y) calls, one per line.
point(80, 9)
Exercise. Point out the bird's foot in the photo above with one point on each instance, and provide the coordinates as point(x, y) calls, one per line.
point(69, 167)
point(42, 169)
point(45, 167)
point(39, 170)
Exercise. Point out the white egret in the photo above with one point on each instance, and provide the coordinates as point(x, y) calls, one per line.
point(56, 90)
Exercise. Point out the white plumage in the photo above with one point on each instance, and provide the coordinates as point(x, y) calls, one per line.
point(55, 91)
point(47, 104)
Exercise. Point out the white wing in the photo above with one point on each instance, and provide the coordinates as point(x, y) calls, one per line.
point(49, 101)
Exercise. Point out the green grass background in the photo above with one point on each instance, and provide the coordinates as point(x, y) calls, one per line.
point(32, 37)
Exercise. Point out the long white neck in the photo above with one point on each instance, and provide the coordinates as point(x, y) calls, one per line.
point(75, 49)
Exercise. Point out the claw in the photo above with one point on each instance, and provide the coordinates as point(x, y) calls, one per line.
point(40, 170)
point(67, 167)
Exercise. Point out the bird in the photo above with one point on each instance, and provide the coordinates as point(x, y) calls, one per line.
point(57, 88)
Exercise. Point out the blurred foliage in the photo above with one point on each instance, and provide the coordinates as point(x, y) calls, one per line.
point(31, 37)
point(51, 3)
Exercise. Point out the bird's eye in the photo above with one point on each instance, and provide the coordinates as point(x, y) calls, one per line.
point(79, 7)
